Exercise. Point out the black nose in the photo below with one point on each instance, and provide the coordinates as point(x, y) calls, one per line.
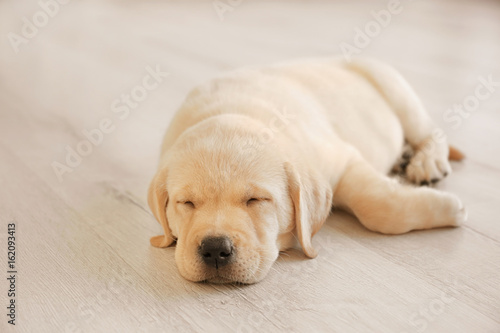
point(216, 251)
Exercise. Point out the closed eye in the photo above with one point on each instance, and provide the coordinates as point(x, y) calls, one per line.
point(188, 203)
point(256, 200)
point(252, 200)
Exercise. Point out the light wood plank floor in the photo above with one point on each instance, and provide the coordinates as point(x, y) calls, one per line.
point(82, 243)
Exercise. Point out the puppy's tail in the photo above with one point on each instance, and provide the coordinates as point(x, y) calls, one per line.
point(455, 154)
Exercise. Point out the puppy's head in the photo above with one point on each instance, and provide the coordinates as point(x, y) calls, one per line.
point(233, 202)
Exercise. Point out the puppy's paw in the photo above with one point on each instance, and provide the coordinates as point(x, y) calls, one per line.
point(458, 213)
point(429, 164)
point(445, 210)
point(402, 162)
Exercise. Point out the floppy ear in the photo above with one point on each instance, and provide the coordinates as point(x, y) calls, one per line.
point(157, 200)
point(312, 200)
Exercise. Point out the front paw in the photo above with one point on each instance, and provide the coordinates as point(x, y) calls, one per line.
point(458, 214)
point(429, 164)
point(445, 210)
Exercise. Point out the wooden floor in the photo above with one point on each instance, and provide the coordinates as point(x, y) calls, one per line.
point(83, 259)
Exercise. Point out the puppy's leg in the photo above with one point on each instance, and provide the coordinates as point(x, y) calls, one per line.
point(430, 160)
point(384, 205)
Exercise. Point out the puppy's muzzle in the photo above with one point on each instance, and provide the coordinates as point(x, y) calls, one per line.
point(216, 251)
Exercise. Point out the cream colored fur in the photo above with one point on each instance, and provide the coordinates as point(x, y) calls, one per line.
point(297, 137)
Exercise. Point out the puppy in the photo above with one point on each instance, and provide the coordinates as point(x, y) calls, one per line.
point(254, 161)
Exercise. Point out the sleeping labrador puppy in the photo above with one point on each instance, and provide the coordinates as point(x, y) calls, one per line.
point(254, 161)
